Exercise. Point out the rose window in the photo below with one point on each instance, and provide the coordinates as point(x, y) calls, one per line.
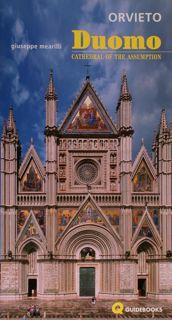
point(87, 172)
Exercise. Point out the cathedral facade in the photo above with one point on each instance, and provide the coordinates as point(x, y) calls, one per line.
point(90, 221)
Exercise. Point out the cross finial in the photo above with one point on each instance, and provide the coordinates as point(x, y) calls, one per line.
point(87, 71)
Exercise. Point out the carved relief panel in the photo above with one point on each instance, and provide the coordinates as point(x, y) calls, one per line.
point(113, 171)
point(87, 163)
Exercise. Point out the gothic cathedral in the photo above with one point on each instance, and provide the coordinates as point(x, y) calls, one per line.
point(90, 221)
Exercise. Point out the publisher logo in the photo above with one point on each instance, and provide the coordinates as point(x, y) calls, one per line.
point(118, 308)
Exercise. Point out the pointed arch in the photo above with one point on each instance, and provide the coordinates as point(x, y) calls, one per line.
point(41, 246)
point(152, 248)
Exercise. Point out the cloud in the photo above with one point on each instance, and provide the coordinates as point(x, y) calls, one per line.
point(6, 13)
point(19, 92)
point(18, 30)
point(40, 10)
point(90, 5)
point(19, 36)
point(149, 82)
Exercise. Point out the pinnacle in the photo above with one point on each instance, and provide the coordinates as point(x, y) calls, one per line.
point(4, 130)
point(124, 91)
point(124, 94)
point(163, 121)
point(50, 94)
point(11, 126)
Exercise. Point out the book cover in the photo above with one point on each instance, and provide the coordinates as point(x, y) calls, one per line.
point(86, 159)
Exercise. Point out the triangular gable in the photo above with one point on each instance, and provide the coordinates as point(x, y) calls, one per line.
point(143, 155)
point(87, 115)
point(31, 172)
point(23, 214)
point(146, 229)
point(90, 213)
point(144, 174)
point(31, 155)
point(31, 229)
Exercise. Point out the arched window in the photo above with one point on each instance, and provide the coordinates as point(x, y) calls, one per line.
point(87, 253)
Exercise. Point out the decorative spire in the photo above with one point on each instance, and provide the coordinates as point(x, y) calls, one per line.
point(154, 139)
point(11, 126)
point(50, 94)
point(163, 121)
point(124, 93)
point(4, 129)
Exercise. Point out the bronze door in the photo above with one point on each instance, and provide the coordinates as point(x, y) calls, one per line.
point(87, 282)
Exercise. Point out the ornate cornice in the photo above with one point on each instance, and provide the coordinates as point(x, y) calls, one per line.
point(126, 131)
point(51, 131)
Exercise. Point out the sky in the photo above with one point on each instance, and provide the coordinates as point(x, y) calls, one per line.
point(24, 74)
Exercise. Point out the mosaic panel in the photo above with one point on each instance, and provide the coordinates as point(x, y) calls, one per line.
point(138, 213)
point(142, 180)
point(31, 182)
point(88, 214)
point(113, 214)
point(23, 214)
point(63, 218)
point(87, 118)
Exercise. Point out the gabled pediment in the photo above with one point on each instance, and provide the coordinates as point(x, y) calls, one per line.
point(87, 115)
point(144, 174)
point(31, 229)
point(143, 155)
point(31, 155)
point(32, 172)
point(90, 213)
point(146, 229)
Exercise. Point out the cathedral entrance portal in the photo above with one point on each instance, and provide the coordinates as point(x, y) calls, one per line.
point(31, 252)
point(32, 287)
point(87, 282)
point(146, 272)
